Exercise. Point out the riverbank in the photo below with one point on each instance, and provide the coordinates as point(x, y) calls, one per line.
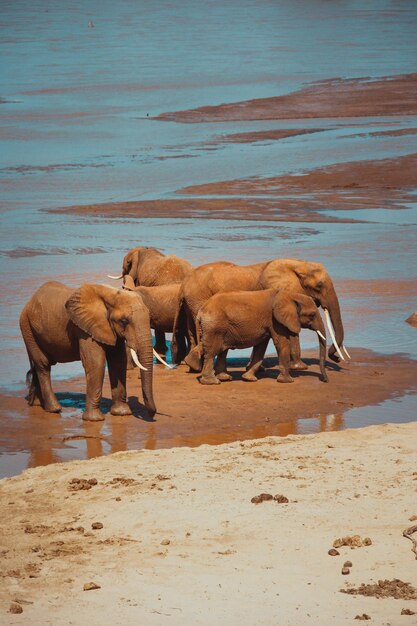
point(172, 536)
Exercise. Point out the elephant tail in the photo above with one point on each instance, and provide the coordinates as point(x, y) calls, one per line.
point(179, 332)
point(32, 383)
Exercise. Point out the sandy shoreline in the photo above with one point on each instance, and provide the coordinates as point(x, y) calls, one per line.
point(190, 414)
point(182, 543)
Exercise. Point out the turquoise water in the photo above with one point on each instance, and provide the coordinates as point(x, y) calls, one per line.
point(74, 107)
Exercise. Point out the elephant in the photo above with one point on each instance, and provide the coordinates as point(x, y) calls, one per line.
point(292, 275)
point(91, 324)
point(161, 302)
point(149, 267)
point(241, 319)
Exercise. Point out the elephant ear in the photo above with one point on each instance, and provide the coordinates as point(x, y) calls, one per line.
point(88, 309)
point(131, 264)
point(285, 311)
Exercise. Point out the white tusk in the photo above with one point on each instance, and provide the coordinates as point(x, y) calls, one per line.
point(321, 335)
point(115, 277)
point(346, 352)
point(136, 360)
point(331, 331)
point(171, 367)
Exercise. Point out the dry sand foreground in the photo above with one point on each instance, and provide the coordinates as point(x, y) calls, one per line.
point(182, 543)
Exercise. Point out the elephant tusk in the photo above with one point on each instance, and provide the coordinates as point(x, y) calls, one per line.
point(136, 360)
point(331, 331)
point(321, 335)
point(346, 352)
point(115, 277)
point(156, 355)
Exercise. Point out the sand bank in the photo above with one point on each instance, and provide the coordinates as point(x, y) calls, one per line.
point(368, 184)
point(331, 98)
point(177, 539)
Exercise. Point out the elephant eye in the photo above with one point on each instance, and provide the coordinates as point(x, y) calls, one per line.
point(319, 285)
point(123, 322)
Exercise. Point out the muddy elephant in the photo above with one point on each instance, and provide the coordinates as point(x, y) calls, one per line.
point(91, 324)
point(149, 267)
point(292, 275)
point(242, 319)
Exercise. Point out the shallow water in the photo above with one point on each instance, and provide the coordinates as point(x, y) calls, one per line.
point(74, 106)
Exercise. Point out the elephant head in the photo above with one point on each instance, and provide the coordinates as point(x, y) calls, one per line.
point(315, 282)
point(134, 260)
point(296, 311)
point(107, 314)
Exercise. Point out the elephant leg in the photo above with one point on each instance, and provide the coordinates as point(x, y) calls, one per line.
point(220, 369)
point(48, 399)
point(283, 347)
point(160, 344)
point(296, 362)
point(116, 363)
point(255, 362)
point(210, 348)
point(39, 375)
point(93, 358)
point(193, 358)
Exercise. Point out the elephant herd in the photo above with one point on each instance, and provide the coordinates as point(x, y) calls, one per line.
point(209, 310)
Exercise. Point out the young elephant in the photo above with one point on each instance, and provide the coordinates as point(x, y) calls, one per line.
point(161, 302)
point(90, 324)
point(242, 319)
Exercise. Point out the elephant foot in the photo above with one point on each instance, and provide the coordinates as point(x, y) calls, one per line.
point(193, 361)
point(284, 379)
point(224, 377)
point(261, 368)
point(52, 407)
point(93, 415)
point(209, 380)
point(298, 365)
point(250, 378)
point(120, 408)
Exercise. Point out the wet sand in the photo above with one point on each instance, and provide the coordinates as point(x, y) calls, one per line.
point(383, 183)
point(190, 414)
point(335, 97)
point(136, 528)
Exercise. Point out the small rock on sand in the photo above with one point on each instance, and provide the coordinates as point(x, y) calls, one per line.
point(333, 552)
point(165, 542)
point(345, 571)
point(347, 564)
point(364, 616)
point(280, 499)
point(263, 497)
point(407, 612)
point(96, 525)
point(91, 586)
point(15, 608)
point(352, 541)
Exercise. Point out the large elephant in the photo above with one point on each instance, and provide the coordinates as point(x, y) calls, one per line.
point(149, 267)
point(291, 275)
point(91, 324)
point(242, 319)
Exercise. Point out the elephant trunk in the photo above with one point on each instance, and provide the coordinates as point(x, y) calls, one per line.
point(143, 348)
point(322, 349)
point(333, 307)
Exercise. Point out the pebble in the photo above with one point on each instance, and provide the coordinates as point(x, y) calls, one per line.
point(96, 525)
point(15, 608)
point(261, 498)
point(333, 552)
point(90, 586)
point(165, 542)
point(347, 564)
point(345, 570)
